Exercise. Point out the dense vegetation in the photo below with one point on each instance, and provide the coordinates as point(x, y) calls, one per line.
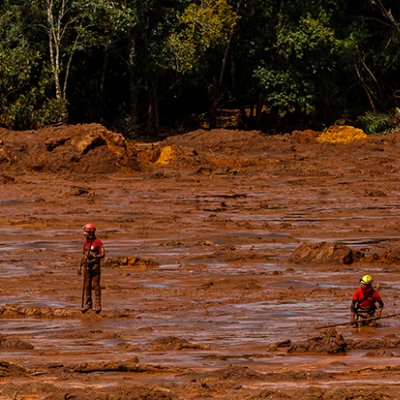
point(140, 66)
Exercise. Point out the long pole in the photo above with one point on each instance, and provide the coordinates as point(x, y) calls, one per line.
point(349, 323)
point(83, 284)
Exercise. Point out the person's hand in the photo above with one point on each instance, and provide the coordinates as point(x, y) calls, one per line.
point(378, 313)
point(353, 319)
point(79, 271)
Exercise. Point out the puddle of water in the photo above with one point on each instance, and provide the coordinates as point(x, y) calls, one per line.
point(157, 285)
point(170, 266)
point(353, 241)
point(267, 246)
point(15, 202)
point(321, 383)
point(40, 245)
point(34, 327)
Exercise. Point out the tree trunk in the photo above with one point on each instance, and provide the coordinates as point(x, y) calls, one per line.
point(259, 107)
point(101, 89)
point(132, 84)
point(218, 87)
point(153, 120)
point(213, 111)
point(387, 13)
point(243, 114)
point(367, 90)
point(54, 47)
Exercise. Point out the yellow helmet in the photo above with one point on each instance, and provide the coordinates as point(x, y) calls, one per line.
point(366, 280)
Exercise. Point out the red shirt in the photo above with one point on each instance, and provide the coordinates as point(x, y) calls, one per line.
point(366, 299)
point(96, 247)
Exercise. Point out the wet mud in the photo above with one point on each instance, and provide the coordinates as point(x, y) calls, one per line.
point(225, 256)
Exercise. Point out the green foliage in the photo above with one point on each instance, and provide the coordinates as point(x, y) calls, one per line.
point(301, 57)
point(202, 26)
point(312, 61)
point(283, 92)
point(31, 112)
point(311, 41)
point(23, 100)
point(377, 122)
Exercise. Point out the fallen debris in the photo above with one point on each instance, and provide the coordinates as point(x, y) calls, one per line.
point(130, 261)
point(7, 343)
point(324, 253)
point(175, 343)
point(11, 369)
point(328, 341)
point(341, 134)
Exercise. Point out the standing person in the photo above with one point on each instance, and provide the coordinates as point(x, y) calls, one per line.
point(364, 303)
point(93, 252)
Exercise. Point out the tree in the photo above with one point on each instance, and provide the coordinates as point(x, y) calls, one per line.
point(289, 55)
point(24, 103)
point(371, 39)
point(204, 34)
point(283, 63)
point(146, 62)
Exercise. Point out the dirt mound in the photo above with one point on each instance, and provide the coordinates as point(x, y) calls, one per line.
point(136, 393)
point(387, 342)
point(313, 393)
point(82, 148)
point(389, 255)
point(15, 311)
point(174, 343)
point(222, 151)
point(13, 344)
point(328, 341)
point(239, 372)
point(323, 252)
point(112, 366)
point(67, 148)
point(90, 334)
point(341, 134)
point(380, 353)
point(10, 369)
point(130, 261)
point(220, 140)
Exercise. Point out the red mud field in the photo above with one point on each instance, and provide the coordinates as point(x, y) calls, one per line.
point(226, 251)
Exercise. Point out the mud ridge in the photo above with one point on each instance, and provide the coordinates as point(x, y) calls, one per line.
point(15, 311)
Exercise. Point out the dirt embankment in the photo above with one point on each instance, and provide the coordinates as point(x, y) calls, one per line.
point(62, 148)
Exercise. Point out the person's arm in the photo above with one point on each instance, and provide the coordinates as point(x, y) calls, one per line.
point(353, 308)
point(380, 308)
point(99, 252)
point(82, 263)
point(86, 256)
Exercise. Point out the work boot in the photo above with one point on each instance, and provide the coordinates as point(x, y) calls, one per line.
point(98, 310)
point(85, 309)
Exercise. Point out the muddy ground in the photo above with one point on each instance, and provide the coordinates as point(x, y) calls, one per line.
point(226, 253)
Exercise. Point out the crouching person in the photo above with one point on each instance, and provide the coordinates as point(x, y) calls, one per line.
point(366, 304)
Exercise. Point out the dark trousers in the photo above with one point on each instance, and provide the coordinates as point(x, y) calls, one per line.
point(91, 282)
point(363, 317)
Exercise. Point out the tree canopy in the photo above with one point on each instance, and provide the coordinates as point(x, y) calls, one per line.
point(141, 66)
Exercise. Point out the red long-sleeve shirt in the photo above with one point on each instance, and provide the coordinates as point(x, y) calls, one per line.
point(95, 248)
point(366, 299)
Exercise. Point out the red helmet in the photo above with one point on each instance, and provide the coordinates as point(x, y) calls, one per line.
point(89, 228)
